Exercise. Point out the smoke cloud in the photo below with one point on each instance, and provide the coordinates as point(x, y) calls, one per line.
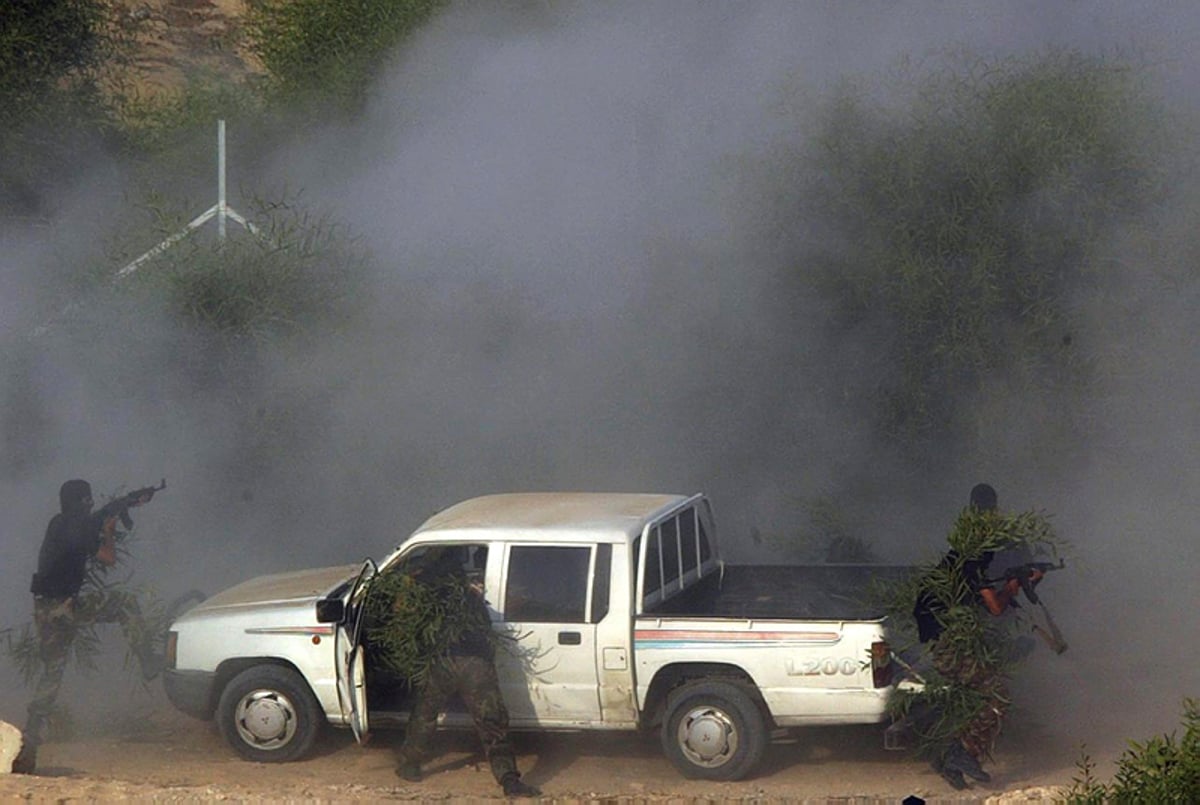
point(583, 281)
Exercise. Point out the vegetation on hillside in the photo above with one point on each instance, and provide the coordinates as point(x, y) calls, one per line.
point(329, 53)
point(68, 84)
point(54, 57)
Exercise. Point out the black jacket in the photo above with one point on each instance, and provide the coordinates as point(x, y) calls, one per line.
point(72, 537)
point(928, 605)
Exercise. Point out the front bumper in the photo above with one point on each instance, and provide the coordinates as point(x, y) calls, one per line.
point(192, 692)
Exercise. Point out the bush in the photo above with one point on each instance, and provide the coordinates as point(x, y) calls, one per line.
point(1161, 769)
point(154, 125)
point(295, 276)
point(317, 51)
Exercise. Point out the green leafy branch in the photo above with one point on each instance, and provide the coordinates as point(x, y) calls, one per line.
point(1164, 768)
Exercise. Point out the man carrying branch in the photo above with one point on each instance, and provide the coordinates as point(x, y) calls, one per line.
point(431, 627)
point(959, 713)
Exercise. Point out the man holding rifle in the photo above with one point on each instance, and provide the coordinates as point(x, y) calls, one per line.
point(74, 537)
point(962, 716)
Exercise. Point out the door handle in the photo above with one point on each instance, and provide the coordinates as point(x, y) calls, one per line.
point(569, 638)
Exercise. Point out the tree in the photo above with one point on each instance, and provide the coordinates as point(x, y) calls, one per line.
point(52, 56)
point(965, 218)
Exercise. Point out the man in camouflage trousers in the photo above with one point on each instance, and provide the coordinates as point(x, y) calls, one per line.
point(978, 735)
point(962, 753)
point(465, 667)
point(74, 537)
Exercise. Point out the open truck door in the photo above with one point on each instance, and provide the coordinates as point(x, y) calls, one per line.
point(351, 668)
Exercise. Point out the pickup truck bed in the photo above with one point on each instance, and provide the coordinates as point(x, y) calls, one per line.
point(807, 592)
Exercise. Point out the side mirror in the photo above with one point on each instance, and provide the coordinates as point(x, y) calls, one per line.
point(331, 610)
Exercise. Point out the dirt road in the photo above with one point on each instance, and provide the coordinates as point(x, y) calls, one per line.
point(158, 755)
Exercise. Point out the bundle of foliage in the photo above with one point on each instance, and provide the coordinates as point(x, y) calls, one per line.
point(1161, 769)
point(965, 218)
point(328, 53)
point(412, 618)
point(981, 648)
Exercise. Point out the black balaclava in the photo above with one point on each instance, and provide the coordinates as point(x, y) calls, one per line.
point(75, 497)
point(983, 497)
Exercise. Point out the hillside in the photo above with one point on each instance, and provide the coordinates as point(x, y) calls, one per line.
point(179, 39)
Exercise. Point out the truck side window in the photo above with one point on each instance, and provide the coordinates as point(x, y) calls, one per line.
point(547, 584)
point(476, 565)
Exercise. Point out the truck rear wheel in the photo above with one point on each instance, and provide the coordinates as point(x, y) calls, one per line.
point(713, 731)
point(268, 714)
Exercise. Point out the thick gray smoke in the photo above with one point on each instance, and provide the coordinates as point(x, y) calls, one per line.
point(583, 284)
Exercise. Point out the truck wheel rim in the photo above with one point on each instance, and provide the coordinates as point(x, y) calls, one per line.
point(707, 737)
point(265, 719)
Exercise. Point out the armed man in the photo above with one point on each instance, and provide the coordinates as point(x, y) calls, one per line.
point(463, 664)
point(965, 654)
point(74, 537)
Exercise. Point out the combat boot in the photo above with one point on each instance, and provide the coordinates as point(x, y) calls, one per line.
point(959, 759)
point(514, 787)
point(26, 760)
point(409, 770)
point(949, 774)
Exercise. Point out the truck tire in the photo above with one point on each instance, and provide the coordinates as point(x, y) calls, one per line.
point(268, 714)
point(713, 731)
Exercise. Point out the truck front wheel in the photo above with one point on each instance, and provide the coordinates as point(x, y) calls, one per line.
point(268, 714)
point(713, 731)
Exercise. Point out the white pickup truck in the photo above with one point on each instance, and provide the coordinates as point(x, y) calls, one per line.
point(625, 619)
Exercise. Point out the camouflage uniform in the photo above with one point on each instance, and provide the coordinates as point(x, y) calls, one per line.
point(73, 538)
point(474, 679)
point(967, 565)
point(464, 664)
point(978, 735)
point(58, 621)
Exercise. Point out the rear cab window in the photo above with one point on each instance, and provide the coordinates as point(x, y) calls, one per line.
point(675, 554)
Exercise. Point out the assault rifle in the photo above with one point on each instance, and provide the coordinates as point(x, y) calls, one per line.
point(1024, 578)
point(1028, 575)
point(119, 507)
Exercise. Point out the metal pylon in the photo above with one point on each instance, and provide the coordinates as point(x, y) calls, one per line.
point(221, 211)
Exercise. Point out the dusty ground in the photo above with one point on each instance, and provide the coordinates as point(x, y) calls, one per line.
point(158, 755)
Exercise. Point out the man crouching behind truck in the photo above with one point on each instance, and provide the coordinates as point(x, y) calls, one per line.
point(462, 662)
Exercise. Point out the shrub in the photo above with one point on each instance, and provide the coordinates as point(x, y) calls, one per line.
point(317, 51)
point(1161, 769)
